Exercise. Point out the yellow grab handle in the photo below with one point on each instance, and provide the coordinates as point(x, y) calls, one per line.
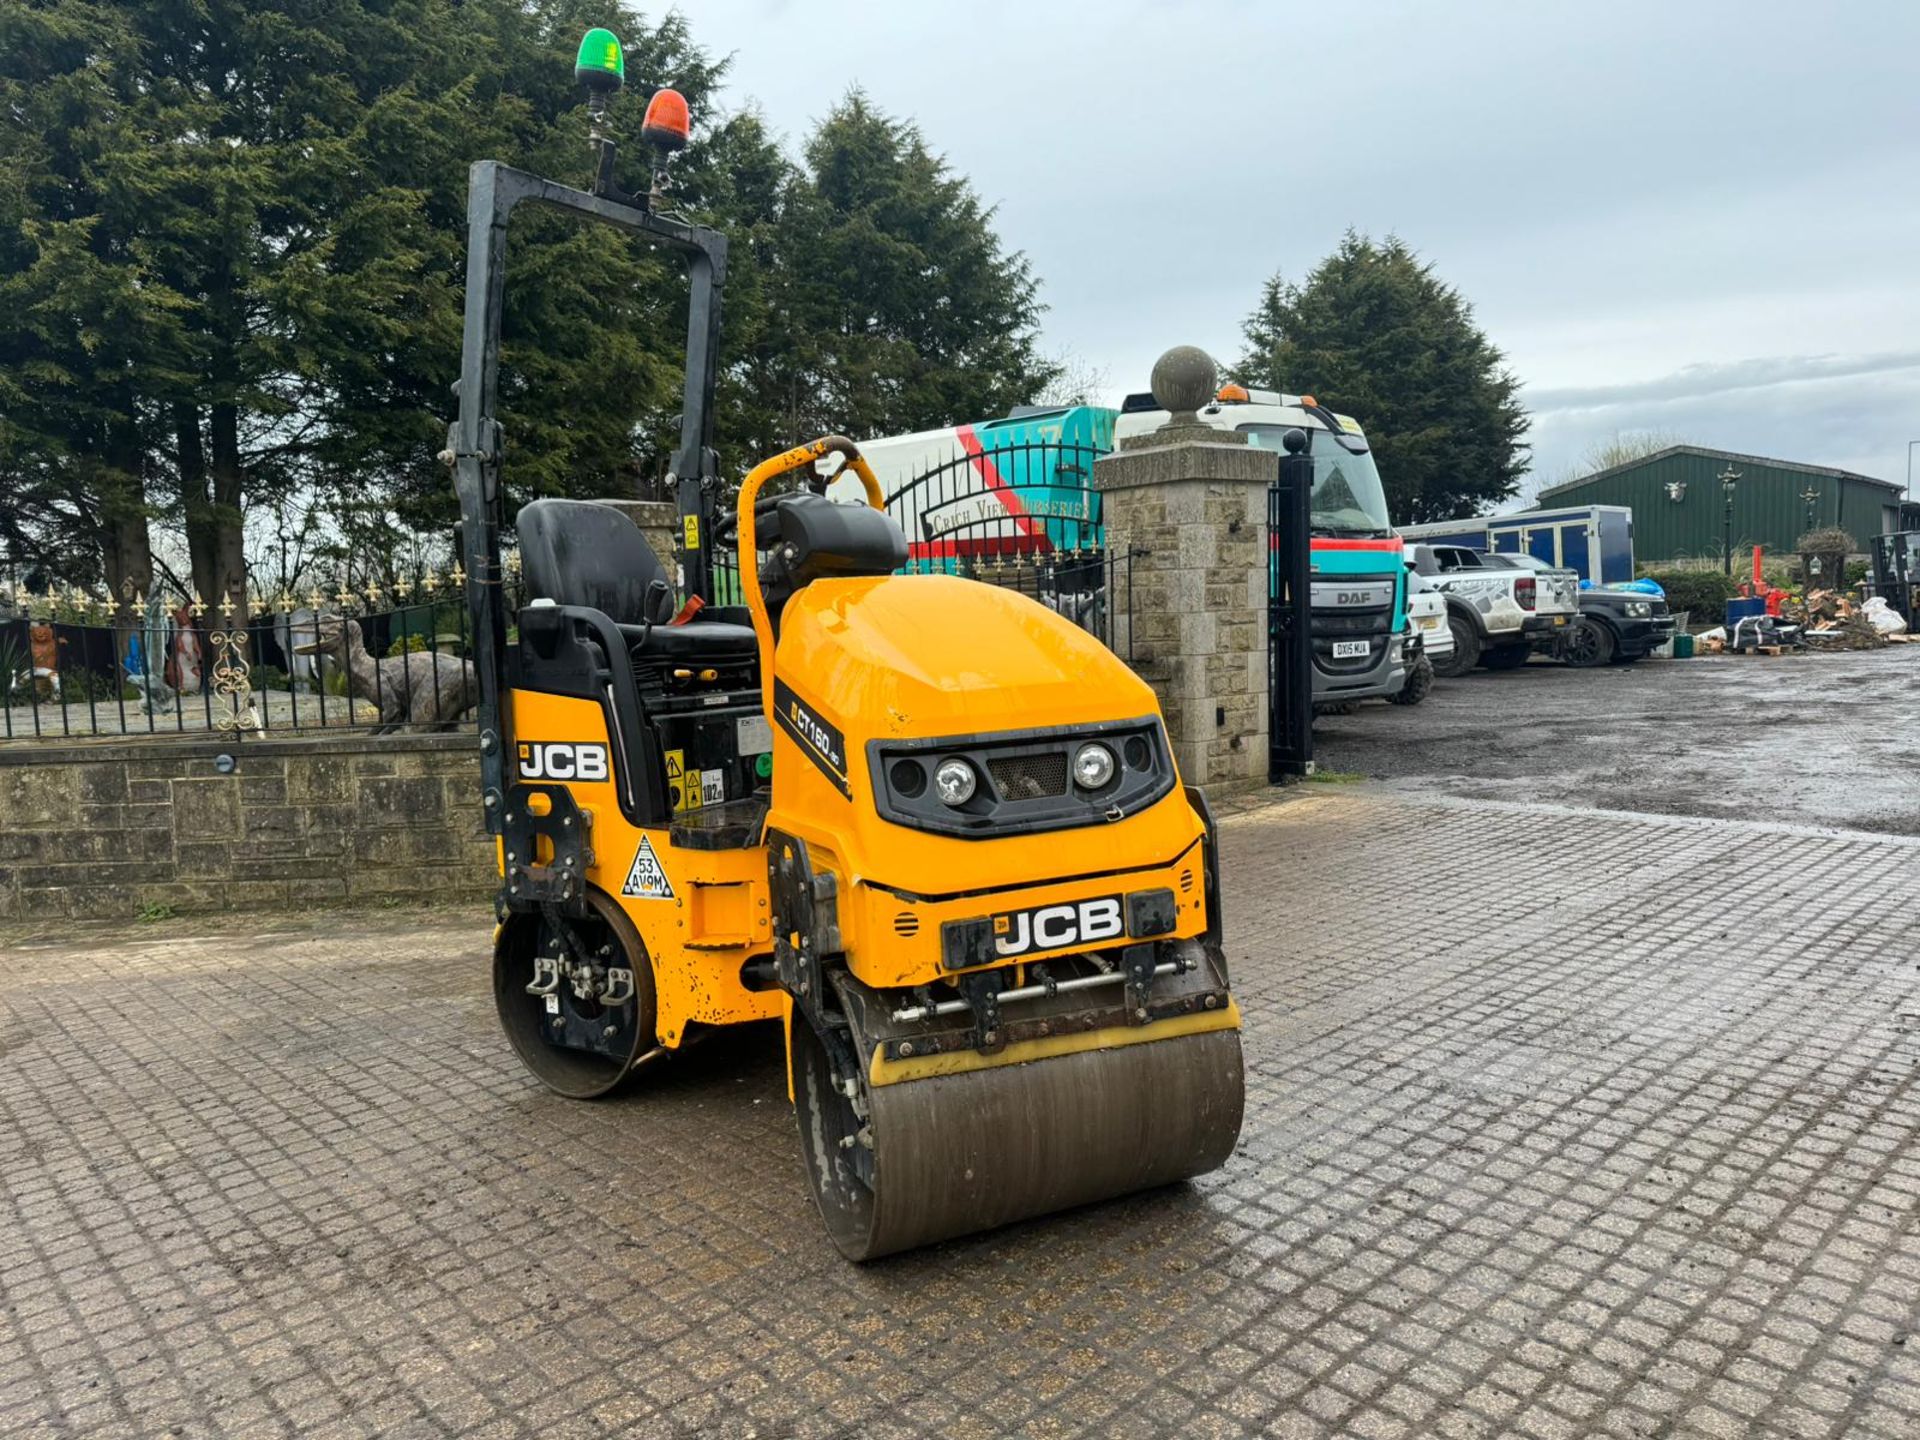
point(749, 553)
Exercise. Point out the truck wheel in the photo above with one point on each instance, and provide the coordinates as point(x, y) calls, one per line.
point(1507, 657)
point(1588, 644)
point(1466, 648)
point(1419, 682)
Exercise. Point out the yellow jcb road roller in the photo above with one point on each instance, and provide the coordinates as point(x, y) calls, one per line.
point(928, 825)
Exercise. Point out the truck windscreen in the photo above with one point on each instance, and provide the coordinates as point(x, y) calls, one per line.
point(1347, 496)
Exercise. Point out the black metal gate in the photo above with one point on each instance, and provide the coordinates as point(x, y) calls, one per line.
point(1024, 516)
point(1289, 617)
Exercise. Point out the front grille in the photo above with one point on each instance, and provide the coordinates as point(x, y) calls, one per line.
point(906, 924)
point(1026, 779)
point(1352, 622)
point(1030, 777)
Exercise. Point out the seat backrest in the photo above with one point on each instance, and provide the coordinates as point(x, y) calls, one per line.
point(830, 539)
point(577, 552)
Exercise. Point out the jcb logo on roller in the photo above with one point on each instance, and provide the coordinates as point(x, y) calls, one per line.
point(543, 760)
point(1049, 927)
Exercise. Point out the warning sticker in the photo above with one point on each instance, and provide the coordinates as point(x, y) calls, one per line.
point(713, 787)
point(646, 880)
point(683, 792)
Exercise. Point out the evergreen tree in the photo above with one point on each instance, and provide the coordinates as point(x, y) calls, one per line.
point(232, 259)
point(893, 305)
point(232, 251)
point(1375, 334)
point(88, 333)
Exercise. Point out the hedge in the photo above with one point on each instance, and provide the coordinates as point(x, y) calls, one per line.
point(1704, 593)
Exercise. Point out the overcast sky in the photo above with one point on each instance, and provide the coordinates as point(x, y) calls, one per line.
point(1701, 218)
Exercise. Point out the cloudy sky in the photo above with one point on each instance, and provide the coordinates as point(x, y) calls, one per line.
point(1693, 217)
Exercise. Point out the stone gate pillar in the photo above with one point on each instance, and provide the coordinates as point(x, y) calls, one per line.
point(1190, 502)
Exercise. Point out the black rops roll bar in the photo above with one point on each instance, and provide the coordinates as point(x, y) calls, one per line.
point(493, 191)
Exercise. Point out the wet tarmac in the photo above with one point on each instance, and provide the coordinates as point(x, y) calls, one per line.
point(1822, 740)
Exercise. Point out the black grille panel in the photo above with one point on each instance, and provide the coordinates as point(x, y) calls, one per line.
point(1026, 779)
point(1353, 622)
point(1030, 777)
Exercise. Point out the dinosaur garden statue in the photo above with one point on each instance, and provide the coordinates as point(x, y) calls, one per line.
point(417, 688)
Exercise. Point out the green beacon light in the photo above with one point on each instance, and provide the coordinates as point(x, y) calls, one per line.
point(601, 65)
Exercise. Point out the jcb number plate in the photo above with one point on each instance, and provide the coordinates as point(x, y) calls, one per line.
point(1052, 927)
point(1075, 924)
point(1351, 649)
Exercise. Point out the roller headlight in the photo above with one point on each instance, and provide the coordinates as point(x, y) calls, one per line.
point(1639, 609)
point(954, 782)
point(1093, 767)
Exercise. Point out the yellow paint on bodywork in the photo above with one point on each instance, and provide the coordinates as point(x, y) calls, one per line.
point(962, 1062)
point(720, 914)
point(884, 658)
point(911, 657)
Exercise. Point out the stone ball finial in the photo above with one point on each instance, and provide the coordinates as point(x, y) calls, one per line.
point(1184, 379)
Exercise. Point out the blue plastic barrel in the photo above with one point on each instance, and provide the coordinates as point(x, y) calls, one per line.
point(1741, 608)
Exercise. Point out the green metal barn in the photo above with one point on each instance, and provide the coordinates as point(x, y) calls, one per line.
point(1679, 503)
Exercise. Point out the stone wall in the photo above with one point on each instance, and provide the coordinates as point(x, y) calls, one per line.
point(104, 829)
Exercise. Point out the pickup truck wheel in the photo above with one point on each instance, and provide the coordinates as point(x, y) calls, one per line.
point(1419, 682)
point(1588, 644)
point(1466, 648)
point(1507, 657)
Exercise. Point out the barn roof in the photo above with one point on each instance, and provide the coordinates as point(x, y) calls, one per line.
point(1731, 456)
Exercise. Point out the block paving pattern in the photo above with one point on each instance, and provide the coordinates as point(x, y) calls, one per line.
point(1623, 1145)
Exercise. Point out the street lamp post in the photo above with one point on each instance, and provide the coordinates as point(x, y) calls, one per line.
point(1812, 497)
point(1729, 478)
point(1908, 495)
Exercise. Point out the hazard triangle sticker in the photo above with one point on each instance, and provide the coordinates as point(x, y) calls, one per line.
point(646, 879)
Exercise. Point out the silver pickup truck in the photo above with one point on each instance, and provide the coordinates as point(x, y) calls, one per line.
point(1498, 615)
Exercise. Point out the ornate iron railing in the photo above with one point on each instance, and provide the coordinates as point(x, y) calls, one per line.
point(371, 658)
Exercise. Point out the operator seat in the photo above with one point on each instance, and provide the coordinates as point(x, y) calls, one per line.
point(579, 552)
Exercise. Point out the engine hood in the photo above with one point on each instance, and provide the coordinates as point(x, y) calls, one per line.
point(926, 656)
point(1620, 599)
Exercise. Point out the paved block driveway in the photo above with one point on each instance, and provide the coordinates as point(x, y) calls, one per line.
point(1628, 1151)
